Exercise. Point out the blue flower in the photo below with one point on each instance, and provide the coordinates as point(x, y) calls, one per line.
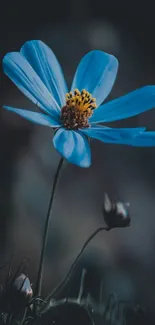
point(76, 116)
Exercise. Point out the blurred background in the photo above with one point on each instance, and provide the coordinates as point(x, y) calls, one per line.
point(123, 258)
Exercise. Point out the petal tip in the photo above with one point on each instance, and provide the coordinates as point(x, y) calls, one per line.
point(85, 165)
point(7, 56)
point(29, 42)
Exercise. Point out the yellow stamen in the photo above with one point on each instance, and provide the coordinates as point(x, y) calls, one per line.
point(81, 100)
point(79, 107)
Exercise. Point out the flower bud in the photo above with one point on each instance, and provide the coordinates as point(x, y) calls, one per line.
point(115, 214)
point(22, 287)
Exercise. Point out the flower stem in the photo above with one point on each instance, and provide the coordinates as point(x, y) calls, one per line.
point(45, 235)
point(67, 277)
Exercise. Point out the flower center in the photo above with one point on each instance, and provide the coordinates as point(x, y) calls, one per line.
point(79, 107)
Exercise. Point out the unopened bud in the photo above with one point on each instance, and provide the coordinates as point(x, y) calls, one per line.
point(115, 214)
point(22, 286)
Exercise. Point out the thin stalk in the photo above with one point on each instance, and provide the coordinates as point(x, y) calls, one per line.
point(45, 235)
point(67, 277)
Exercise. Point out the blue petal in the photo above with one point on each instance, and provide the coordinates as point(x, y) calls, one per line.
point(73, 146)
point(146, 139)
point(112, 135)
point(134, 103)
point(96, 73)
point(21, 73)
point(35, 117)
point(47, 67)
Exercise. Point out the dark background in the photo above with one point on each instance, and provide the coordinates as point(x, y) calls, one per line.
point(124, 258)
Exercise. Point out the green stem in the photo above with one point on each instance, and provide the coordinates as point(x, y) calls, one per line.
point(45, 235)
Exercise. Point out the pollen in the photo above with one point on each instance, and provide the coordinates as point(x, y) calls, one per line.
point(78, 109)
